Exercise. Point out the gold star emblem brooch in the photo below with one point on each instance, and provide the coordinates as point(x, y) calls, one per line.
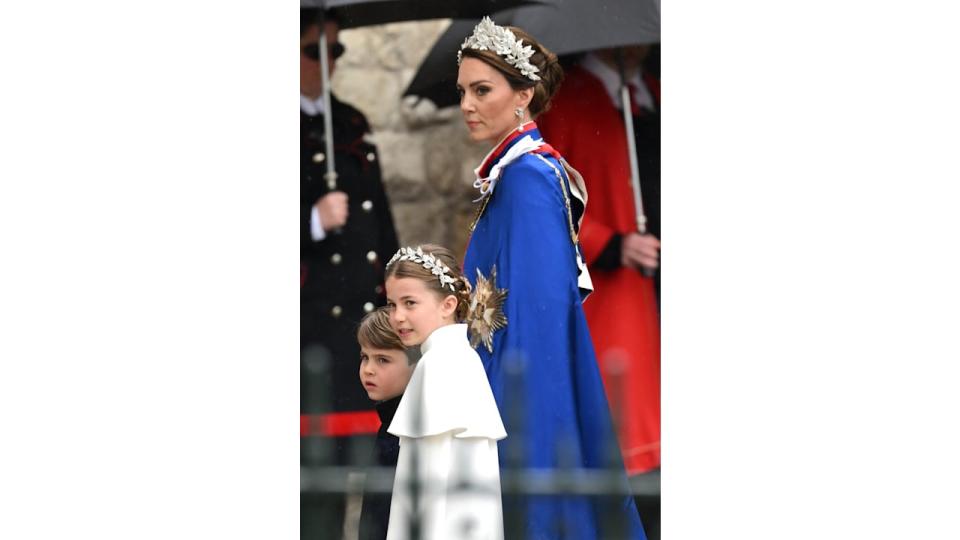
point(486, 310)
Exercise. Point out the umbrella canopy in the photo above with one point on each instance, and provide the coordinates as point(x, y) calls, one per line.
point(564, 27)
point(354, 13)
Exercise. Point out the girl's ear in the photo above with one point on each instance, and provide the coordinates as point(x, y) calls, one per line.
point(449, 305)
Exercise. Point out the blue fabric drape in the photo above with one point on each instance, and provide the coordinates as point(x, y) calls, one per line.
point(560, 417)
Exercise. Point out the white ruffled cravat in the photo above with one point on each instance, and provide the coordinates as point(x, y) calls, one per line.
point(486, 185)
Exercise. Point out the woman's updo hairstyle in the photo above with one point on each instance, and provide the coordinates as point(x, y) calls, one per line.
point(551, 74)
point(412, 269)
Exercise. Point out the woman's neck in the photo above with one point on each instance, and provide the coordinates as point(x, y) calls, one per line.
point(509, 132)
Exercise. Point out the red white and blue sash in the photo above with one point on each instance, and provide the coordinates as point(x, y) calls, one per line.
point(527, 139)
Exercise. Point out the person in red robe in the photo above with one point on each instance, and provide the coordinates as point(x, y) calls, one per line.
point(586, 125)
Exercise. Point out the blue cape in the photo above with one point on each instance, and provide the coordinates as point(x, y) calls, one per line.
point(555, 408)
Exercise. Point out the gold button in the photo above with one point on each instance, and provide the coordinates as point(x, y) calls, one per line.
point(336, 258)
point(368, 307)
point(336, 311)
point(371, 156)
point(371, 256)
point(367, 205)
point(319, 157)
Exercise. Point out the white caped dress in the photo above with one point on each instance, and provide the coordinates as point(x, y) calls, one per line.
point(448, 425)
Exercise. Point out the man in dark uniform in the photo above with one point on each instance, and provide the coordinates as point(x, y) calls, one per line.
point(346, 237)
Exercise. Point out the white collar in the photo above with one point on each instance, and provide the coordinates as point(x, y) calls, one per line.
point(611, 81)
point(519, 148)
point(311, 107)
point(449, 334)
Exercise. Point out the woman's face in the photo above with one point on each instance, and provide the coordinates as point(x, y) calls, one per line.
point(487, 102)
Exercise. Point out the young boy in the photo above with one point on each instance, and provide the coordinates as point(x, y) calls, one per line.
point(384, 372)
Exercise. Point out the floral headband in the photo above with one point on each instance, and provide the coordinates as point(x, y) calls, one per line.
point(426, 260)
point(487, 36)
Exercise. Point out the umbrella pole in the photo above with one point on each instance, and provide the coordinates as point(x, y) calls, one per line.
point(631, 147)
point(632, 150)
point(331, 174)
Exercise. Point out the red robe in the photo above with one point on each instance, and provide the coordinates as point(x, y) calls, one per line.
point(586, 127)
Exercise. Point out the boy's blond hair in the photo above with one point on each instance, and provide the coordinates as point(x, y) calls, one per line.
point(375, 331)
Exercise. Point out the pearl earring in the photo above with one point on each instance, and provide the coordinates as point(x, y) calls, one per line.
point(519, 112)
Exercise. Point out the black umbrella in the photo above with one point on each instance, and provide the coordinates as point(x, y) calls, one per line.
point(354, 13)
point(565, 27)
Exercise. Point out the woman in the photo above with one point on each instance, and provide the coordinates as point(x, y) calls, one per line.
point(528, 274)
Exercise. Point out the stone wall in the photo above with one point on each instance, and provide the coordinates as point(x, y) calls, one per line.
point(426, 155)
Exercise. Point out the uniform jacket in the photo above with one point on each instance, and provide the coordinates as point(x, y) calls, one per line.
point(341, 277)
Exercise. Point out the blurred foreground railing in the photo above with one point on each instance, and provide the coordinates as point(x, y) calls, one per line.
point(336, 474)
point(351, 480)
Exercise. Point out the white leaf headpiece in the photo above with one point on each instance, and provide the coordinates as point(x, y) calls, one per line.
point(426, 260)
point(487, 36)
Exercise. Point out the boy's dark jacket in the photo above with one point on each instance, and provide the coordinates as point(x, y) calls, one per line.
point(375, 513)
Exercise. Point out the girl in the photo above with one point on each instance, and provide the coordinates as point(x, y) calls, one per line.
point(447, 484)
point(525, 245)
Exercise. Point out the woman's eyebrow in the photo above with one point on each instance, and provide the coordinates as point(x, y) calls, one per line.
point(474, 83)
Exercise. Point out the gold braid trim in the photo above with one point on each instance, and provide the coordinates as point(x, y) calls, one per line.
point(566, 198)
point(480, 209)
